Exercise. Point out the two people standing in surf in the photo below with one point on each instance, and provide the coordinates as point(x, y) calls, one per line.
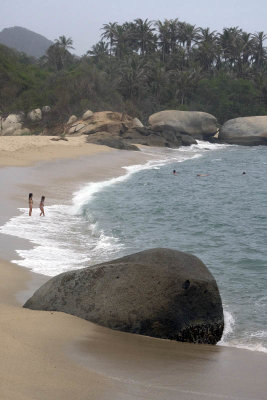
point(41, 206)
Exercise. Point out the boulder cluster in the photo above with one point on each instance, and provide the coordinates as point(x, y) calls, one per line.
point(159, 292)
point(169, 128)
point(14, 124)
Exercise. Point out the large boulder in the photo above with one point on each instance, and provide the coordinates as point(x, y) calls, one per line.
point(160, 292)
point(12, 125)
point(197, 124)
point(246, 131)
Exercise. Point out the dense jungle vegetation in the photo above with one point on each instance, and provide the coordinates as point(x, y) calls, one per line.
point(141, 67)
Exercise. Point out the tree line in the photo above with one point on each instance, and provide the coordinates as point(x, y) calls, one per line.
point(143, 66)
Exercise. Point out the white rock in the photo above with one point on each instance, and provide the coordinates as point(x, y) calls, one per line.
point(137, 123)
point(87, 114)
point(35, 115)
point(72, 119)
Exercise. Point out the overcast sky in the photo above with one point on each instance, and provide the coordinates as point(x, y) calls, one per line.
point(82, 19)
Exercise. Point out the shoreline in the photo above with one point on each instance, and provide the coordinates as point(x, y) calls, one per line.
point(58, 356)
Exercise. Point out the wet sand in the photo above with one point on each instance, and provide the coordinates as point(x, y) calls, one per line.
point(51, 355)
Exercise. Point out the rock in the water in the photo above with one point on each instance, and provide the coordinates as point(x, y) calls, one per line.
point(159, 292)
point(87, 114)
point(199, 125)
point(246, 131)
point(35, 115)
point(188, 140)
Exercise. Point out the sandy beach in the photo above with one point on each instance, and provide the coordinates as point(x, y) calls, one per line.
point(52, 355)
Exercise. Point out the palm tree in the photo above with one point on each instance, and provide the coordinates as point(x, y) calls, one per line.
point(231, 44)
point(208, 50)
point(63, 44)
point(53, 57)
point(99, 50)
point(259, 52)
point(157, 78)
point(121, 39)
point(144, 36)
point(183, 83)
point(133, 76)
point(187, 34)
point(174, 33)
point(164, 40)
point(109, 33)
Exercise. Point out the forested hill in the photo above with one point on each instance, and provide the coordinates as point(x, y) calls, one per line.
point(142, 67)
point(24, 40)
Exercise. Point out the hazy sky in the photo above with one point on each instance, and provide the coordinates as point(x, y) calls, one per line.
point(82, 19)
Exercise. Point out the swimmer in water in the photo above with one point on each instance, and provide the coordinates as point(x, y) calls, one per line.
point(202, 174)
point(174, 172)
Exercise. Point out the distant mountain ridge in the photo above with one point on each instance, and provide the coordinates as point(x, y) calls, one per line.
point(24, 40)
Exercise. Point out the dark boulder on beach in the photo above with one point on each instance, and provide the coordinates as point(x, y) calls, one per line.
point(115, 142)
point(246, 131)
point(165, 138)
point(159, 292)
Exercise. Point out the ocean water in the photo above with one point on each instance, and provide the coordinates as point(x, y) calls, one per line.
point(221, 218)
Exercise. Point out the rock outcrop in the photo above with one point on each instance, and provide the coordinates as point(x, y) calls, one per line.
point(199, 125)
point(121, 131)
point(160, 292)
point(246, 131)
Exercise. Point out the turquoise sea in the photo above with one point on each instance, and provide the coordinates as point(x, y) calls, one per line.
point(221, 218)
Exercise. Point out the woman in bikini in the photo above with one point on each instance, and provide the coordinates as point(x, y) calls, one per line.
point(42, 206)
point(30, 204)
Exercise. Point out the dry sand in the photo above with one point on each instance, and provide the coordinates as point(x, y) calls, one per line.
point(51, 355)
point(26, 150)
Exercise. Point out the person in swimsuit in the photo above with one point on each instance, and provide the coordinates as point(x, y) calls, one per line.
point(30, 204)
point(42, 206)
